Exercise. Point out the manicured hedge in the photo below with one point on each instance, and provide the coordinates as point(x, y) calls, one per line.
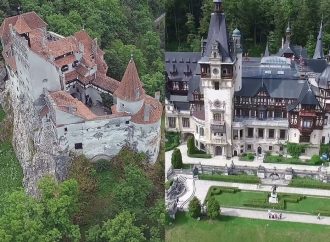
point(231, 178)
point(309, 183)
point(247, 157)
point(216, 190)
point(314, 161)
point(193, 152)
point(263, 203)
point(168, 184)
point(173, 140)
point(322, 212)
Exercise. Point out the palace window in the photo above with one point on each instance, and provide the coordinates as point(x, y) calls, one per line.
point(197, 129)
point(270, 148)
point(172, 122)
point(306, 123)
point(277, 114)
point(249, 147)
point(216, 85)
point(201, 131)
point(282, 134)
point(202, 146)
point(185, 122)
point(271, 133)
point(250, 133)
point(217, 117)
point(260, 133)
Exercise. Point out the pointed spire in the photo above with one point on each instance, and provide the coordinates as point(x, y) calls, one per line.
point(288, 33)
point(130, 88)
point(319, 54)
point(266, 51)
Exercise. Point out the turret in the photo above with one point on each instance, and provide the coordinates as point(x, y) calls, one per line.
point(288, 34)
point(319, 54)
point(237, 41)
point(218, 6)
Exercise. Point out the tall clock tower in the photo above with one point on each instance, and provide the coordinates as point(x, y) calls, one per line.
point(221, 68)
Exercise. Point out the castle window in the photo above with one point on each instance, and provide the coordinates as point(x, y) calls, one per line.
point(65, 129)
point(282, 134)
point(78, 146)
point(201, 132)
point(172, 122)
point(65, 68)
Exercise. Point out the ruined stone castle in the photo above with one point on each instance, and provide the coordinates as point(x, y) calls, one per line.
point(57, 87)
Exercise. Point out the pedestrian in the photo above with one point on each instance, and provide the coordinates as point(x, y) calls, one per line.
point(319, 216)
point(280, 215)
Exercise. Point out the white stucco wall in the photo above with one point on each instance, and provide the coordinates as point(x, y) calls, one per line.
point(129, 107)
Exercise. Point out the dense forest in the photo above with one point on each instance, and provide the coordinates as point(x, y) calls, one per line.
point(122, 27)
point(258, 20)
point(118, 200)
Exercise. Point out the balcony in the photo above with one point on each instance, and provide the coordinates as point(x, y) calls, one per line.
point(218, 126)
point(219, 140)
point(305, 130)
point(307, 113)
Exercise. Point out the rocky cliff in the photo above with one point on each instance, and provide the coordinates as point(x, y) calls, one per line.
point(34, 141)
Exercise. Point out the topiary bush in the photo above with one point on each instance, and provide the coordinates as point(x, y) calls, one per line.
point(194, 208)
point(176, 159)
point(193, 152)
point(213, 208)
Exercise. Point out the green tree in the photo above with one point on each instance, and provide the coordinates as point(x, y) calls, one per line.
point(23, 218)
point(194, 208)
point(213, 208)
point(176, 159)
point(120, 229)
point(132, 191)
point(311, 43)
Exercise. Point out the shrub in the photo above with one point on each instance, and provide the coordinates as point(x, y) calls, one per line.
point(173, 140)
point(309, 183)
point(231, 178)
point(102, 165)
point(194, 208)
point(263, 203)
point(193, 152)
point(322, 212)
point(213, 208)
point(168, 184)
point(176, 159)
point(295, 150)
point(316, 160)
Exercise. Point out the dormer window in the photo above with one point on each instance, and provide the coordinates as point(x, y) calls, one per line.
point(75, 63)
point(65, 68)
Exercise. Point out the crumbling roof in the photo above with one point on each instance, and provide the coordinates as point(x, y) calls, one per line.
point(66, 103)
point(150, 112)
point(130, 87)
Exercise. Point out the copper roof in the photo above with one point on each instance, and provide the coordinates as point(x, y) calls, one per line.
point(130, 87)
point(66, 103)
point(150, 112)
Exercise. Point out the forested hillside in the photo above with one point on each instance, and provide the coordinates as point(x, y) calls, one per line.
point(258, 21)
point(122, 27)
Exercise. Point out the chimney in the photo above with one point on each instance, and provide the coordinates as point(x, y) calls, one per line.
point(147, 109)
point(157, 95)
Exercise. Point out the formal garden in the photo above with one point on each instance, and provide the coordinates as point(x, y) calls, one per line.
point(233, 197)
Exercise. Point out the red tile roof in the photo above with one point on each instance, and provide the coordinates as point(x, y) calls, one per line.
point(28, 21)
point(66, 103)
point(62, 46)
point(151, 111)
point(106, 83)
point(67, 60)
point(130, 87)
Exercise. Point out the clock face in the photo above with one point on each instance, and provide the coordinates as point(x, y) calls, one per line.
point(215, 71)
point(217, 103)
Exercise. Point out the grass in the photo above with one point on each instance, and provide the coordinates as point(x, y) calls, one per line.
point(247, 157)
point(236, 229)
point(11, 174)
point(306, 205)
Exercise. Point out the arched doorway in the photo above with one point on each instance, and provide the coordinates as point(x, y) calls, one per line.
point(218, 150)
point(259, 150)
point(235, 153)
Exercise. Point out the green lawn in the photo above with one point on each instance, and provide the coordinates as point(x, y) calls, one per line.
point(306, 205)
point(233, 229)
point(11, 174)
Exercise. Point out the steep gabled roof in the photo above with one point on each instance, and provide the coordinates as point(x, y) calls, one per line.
point(319, 54)
point(130, 88)
point(218, 34)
